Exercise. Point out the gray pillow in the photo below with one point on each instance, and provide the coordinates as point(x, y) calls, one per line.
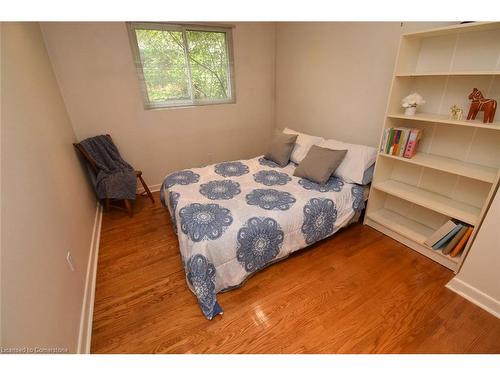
point(368, 175)
point(319, 164)
point(281, 148)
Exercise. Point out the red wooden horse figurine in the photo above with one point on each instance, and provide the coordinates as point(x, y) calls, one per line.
point(479, 103)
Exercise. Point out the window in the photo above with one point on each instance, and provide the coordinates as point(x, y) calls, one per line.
point(183, 65)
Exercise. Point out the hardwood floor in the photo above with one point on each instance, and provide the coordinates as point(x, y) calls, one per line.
point(358, 292)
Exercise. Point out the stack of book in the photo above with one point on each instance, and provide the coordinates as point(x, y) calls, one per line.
point(451, 238)
point(400, 141)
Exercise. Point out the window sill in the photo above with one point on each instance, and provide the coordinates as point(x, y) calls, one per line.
point(185, 105)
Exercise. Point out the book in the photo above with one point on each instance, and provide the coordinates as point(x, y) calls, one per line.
point(399, 140)
point(394, 147)
point(404, 141)
point(389, 141)
point(440, 233)
point(443, 241)
point(410, 144)
point(453, 242)
point(461, 244)
point(419, 136)
point(384, 139)
point(411, 147)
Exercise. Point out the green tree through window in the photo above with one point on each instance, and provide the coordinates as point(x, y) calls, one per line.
point(183, 65)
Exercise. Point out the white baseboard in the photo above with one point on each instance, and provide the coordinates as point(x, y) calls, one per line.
point(85, 332)
point(475, 296)
point(152, 188)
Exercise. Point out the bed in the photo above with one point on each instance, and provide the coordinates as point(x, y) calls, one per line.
point(234, 218)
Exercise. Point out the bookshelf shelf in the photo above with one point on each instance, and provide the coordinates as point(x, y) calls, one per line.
point(402, 225)
point(444, 119)
point(453, 30)
point(462, 73)
point(441, 163)
point(432, 201)
point(456, 169)
point(412, 230)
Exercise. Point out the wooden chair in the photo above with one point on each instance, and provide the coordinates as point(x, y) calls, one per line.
point(93, 166)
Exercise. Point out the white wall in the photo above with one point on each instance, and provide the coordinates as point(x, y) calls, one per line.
point(333, 78)
point(94, 66)
point(1, 86)
point(479, 278)
point(47, 206)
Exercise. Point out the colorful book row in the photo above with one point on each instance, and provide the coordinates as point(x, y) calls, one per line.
point(450, 238)
point(401, 142)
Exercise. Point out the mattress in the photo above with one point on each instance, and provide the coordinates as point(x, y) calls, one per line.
point(234, 218)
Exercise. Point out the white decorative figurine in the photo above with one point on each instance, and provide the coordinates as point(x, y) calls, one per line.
point(456, 112)
point(410, 103)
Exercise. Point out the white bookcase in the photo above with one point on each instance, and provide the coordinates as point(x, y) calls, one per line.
point(456, 168)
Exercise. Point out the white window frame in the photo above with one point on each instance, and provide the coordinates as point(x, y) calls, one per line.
point(132, 26)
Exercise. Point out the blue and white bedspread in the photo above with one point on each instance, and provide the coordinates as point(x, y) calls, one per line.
point(235, 218)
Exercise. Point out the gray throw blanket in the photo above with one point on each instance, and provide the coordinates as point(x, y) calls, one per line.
point(115, 177)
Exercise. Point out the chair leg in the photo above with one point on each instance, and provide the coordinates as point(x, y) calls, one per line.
point(106, 204)
point(146, 189)
point(128, 205)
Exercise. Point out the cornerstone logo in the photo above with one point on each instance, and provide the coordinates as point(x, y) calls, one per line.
point(32, 350)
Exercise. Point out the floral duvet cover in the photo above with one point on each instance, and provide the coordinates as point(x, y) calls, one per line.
point(235, 218)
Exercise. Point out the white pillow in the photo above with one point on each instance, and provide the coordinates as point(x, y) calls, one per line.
point(302, 145)
point(356, 161)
